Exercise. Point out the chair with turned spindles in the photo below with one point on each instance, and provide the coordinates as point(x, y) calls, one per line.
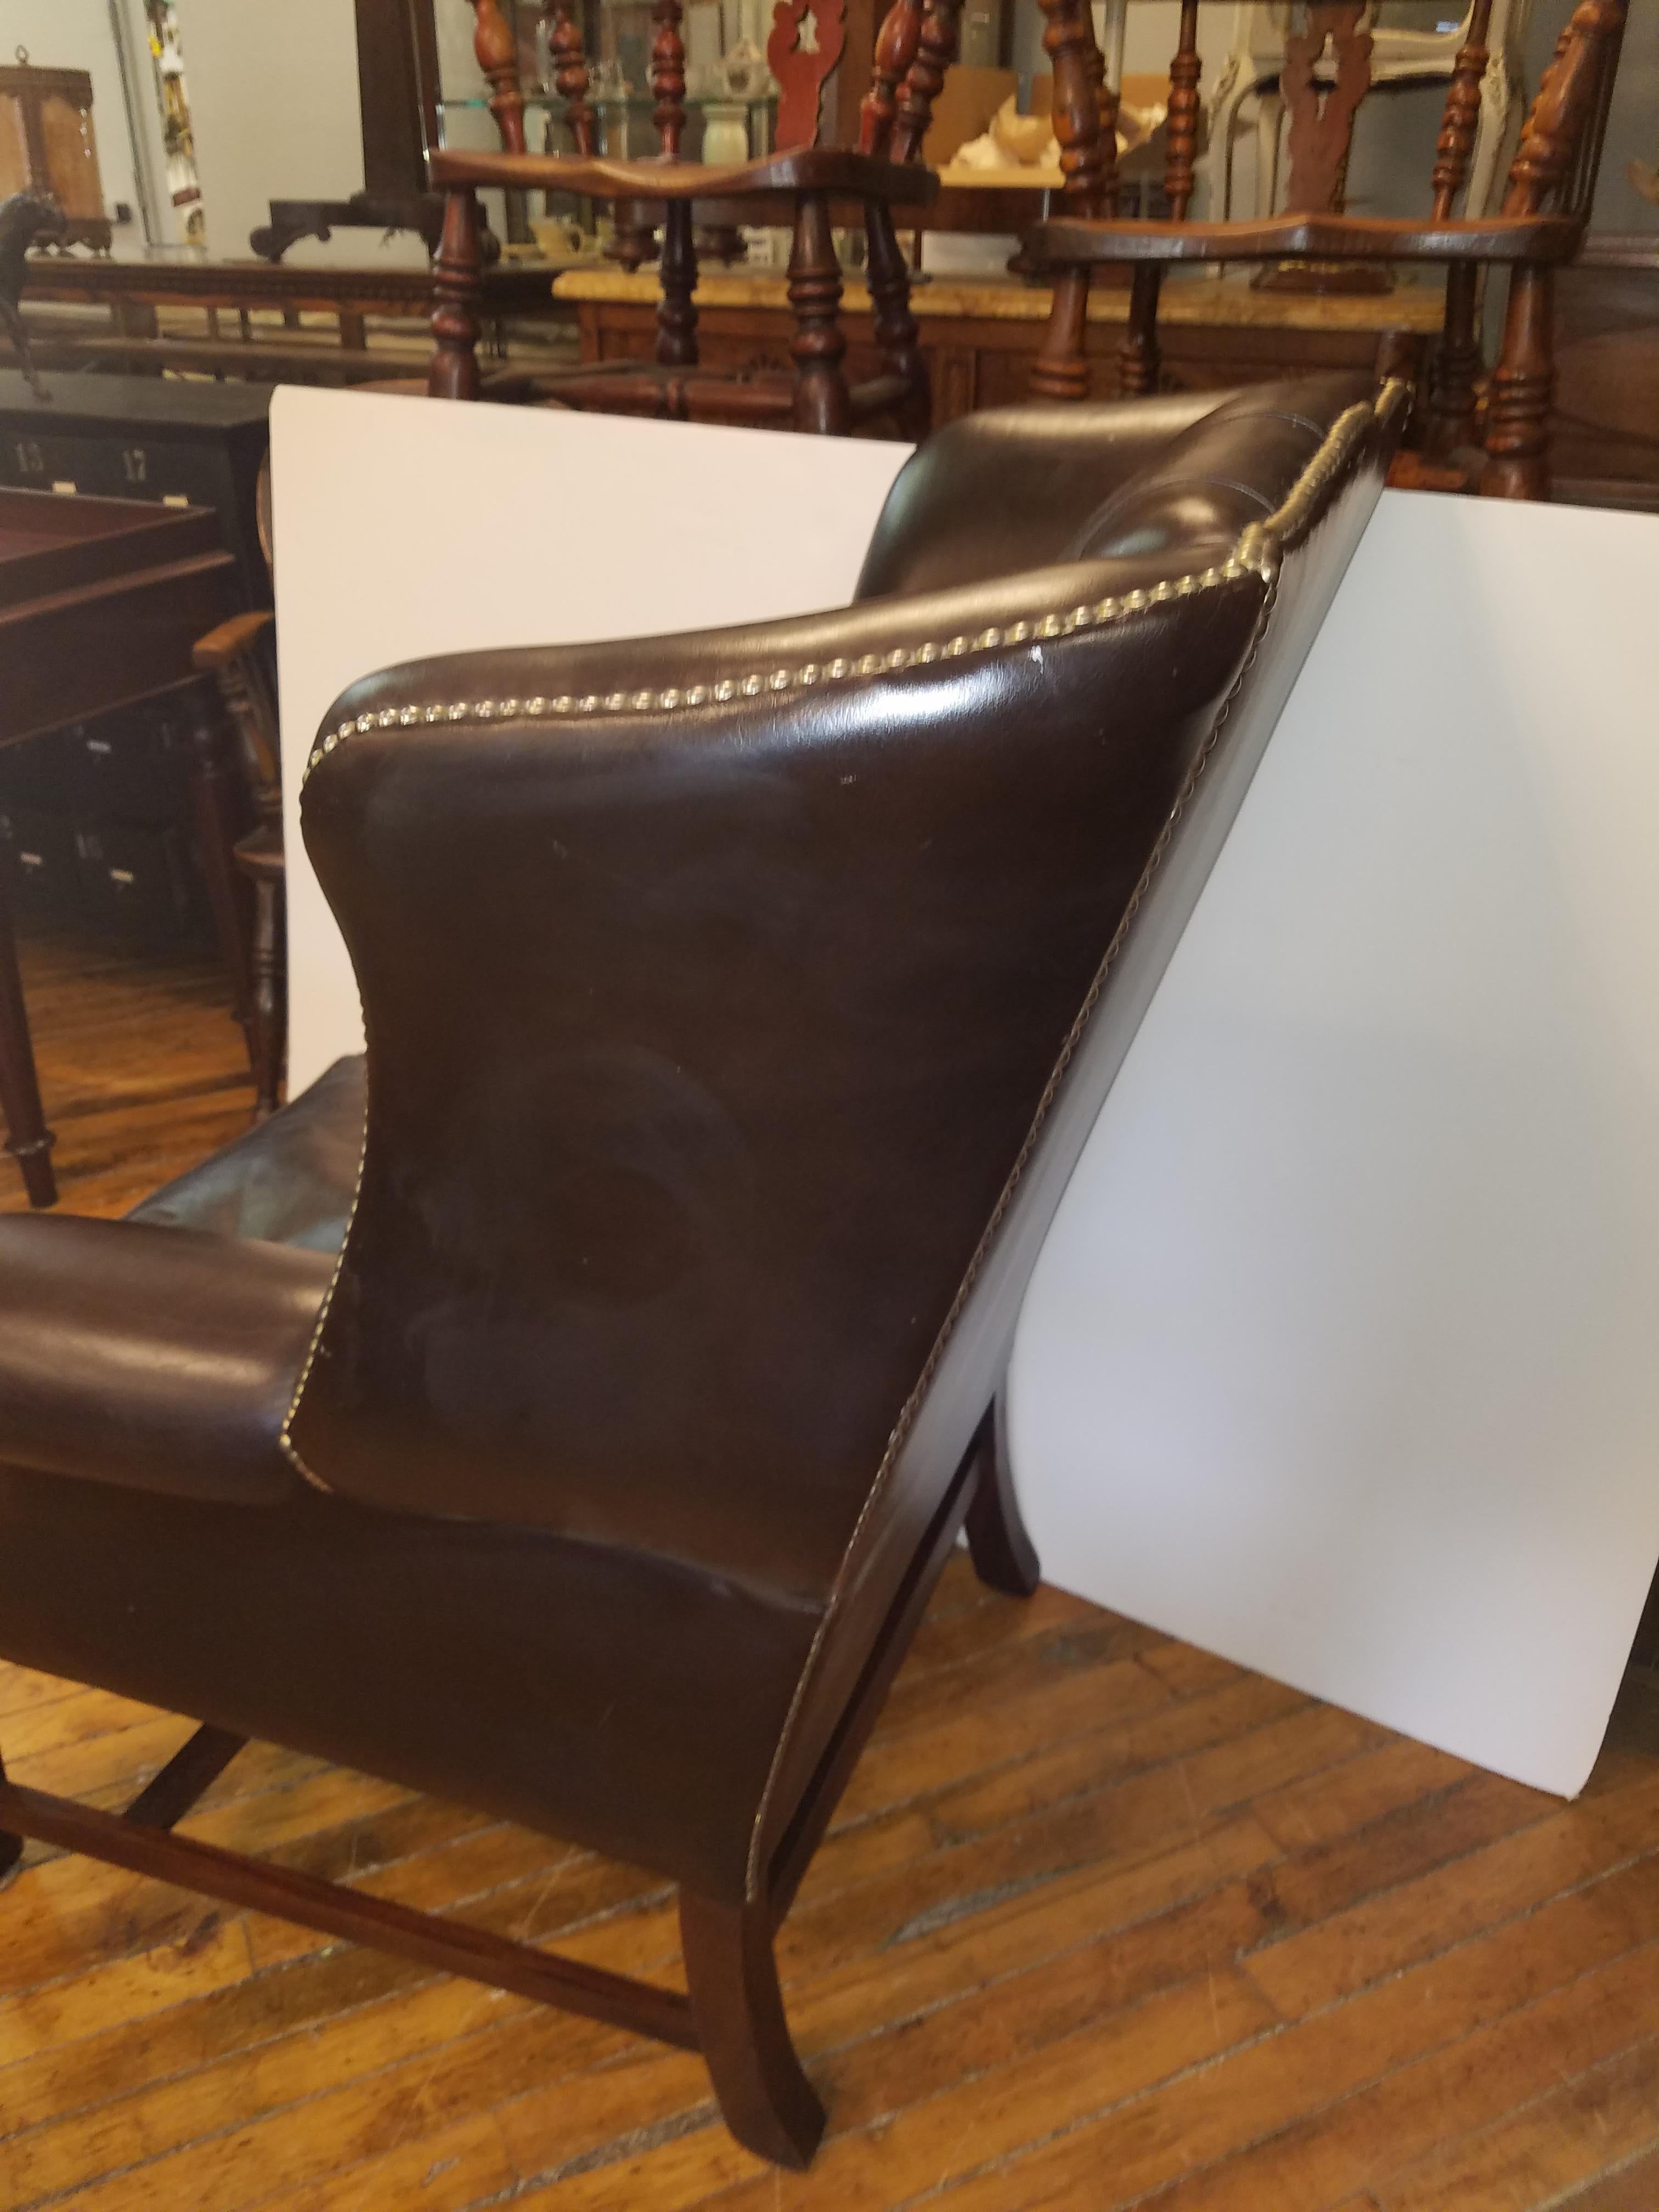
point(798, 184)
point(1544, 211)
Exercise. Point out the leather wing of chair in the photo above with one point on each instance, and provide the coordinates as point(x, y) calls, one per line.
point(738, 1005)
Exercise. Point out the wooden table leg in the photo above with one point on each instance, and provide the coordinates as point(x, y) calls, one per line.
point(27, 1138)
point(218, 793)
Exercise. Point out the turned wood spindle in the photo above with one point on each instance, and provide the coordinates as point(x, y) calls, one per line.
point(1140, 357)
point(676, 318)
point(1181, 129)
point(935, 51)
point(895, 49)
point(569, 60)
point(1461, 115)
point(1522, 385)
point(1565, 95)
point(897, 334)
point(1106, 102)
point(1455, 374)
point(456, 288)
point(497, 51)
point(1068, 39)
point(823, 405)
point(668, 76)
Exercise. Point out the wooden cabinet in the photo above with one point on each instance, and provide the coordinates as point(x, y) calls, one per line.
point(47, 145)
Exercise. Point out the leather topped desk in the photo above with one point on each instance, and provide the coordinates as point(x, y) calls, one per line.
point(101, 602)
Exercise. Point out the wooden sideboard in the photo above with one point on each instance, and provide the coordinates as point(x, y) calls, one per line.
point(979, 335)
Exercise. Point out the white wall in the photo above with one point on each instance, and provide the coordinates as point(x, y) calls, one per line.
point(273, 98)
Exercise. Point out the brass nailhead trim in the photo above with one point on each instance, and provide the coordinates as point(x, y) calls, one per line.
point(1244, 562)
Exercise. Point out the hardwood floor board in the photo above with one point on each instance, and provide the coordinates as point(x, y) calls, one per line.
point(1572, 1845)
point(1224, 2118)
point(1398, 1774)
point(1632, 2187)
point(1015, 1671)
point(1074, 1768)
point(919, 2148)
point(1190, 1672)
point(961, 1634)
point(1528, 2158)
point(143, 1071)
point(1315, 1885)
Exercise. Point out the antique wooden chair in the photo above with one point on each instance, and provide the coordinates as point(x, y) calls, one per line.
point(1543, 218)
point(802, 184)
point(737, 1006)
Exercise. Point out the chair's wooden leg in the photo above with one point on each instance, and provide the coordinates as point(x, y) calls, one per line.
point(27, 1138)
point(823, 405)
point(269, 1033)
point(1140, 359)
point(767, 2100)
point(11, 1847)
point(1522, 385)
point(1456, 365)
point(218, 794)
point(895, 329)
point(1060, 370)
point(1004, 1559)
point(180, 1782)
point(676, 318)
point(457, 289)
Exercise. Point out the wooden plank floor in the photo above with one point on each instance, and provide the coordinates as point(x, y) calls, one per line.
point(1103, 1922)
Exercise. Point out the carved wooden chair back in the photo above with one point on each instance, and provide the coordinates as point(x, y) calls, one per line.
point(1552, 176)
point(801, 179)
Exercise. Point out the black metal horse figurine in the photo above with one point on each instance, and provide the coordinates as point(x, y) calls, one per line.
point(23, 219)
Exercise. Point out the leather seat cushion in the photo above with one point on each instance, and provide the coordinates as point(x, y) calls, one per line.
point(163, 1358)
point(288, 1182)
point(618, 1701)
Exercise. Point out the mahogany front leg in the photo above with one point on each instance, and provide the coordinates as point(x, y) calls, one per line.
point(1060, 370)
point(456, 288)
point(823, 405)
point(1139, 357)
point(766, 2099)
point(1456, 365)
point(895, 329)
point(1522, 385)
point(27, 1138)
point(676, 318)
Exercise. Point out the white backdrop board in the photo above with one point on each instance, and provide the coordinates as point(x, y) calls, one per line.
point(1339, 1359)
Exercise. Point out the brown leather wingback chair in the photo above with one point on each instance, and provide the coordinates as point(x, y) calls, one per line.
point(736, 1007)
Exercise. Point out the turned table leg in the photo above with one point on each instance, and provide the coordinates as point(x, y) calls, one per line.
point(1060, 370)
point(27, 1138)
point(823, 403)
point(1522, 385)
point(676, 318)
point(897, 333)
point(217, 796)
point(457, 288)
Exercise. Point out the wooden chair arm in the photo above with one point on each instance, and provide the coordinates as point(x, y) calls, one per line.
point(829, 169)
point(230, 640)
point(1077, 241)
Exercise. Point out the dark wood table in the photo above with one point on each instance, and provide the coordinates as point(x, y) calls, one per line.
point(101, 602)
point(174, 441)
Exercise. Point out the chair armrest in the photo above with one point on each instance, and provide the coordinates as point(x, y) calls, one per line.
point(231, 639)
point(1080, 242)
point(160, 1359)
point(833, 169)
